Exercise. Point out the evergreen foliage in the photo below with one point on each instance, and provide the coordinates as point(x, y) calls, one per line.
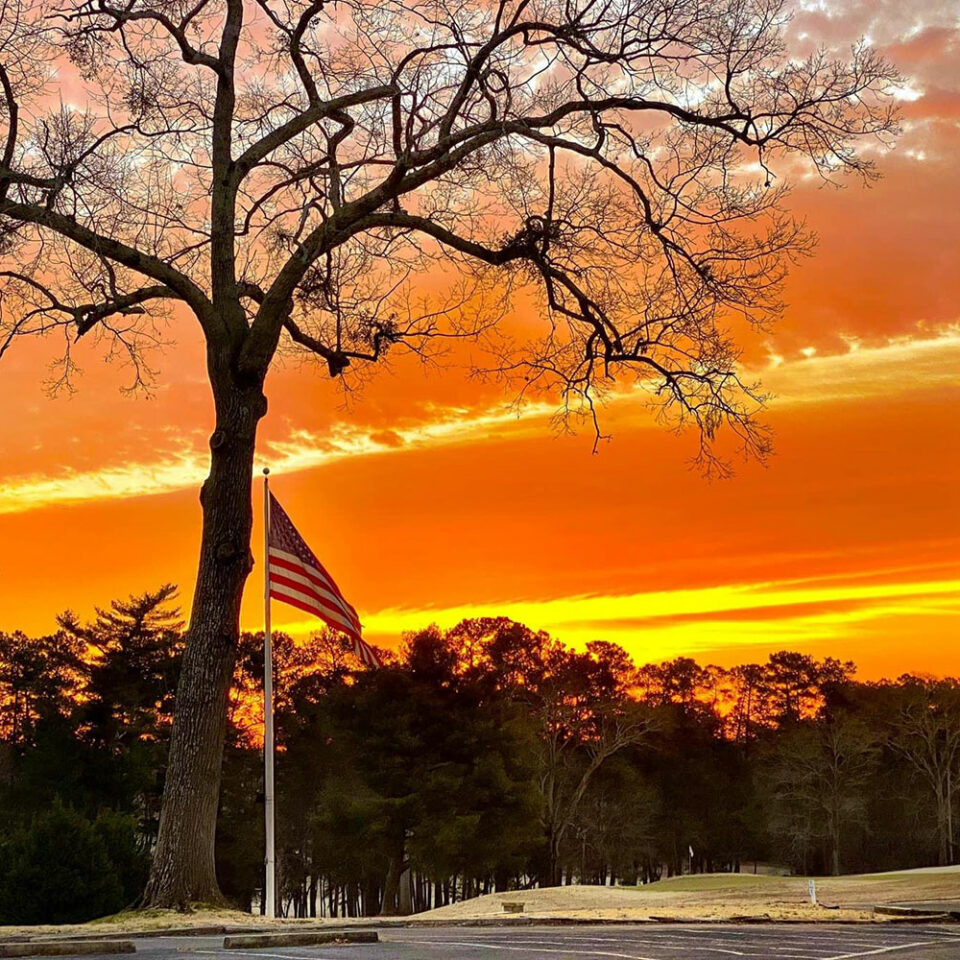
point(59, 869)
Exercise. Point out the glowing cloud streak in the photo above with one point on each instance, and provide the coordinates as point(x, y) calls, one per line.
point(667, 623)
point(186, 467)
point(896, 367)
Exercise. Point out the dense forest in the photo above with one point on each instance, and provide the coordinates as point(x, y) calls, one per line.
point(486, 757)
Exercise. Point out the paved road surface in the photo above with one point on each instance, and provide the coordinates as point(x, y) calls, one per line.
point(933, 906)
point(759, 941)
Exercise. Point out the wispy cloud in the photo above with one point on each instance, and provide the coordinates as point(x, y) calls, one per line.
point(896, 367)
point(304, 450)
point(178, 468)
point(185, 466)
point(899, 366)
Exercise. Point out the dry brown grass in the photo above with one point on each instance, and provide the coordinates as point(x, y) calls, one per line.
point(147, 921)
point(720, 896)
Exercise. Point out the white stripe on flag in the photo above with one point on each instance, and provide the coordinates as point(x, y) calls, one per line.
point(316, 578)
point(308, 582)
point(281, 591)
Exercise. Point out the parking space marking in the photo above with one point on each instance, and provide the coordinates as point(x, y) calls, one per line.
point(866, 938)
point(500, 946)
point(627, 943)
point(813, 945)
point(686, 938)
point(680, 941)
point(902, 946)
point(261, 953)
point(668, 941)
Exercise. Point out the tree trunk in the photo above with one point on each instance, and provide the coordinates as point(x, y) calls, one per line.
point(950, 857)
point(391, 887)
point(405, 894)
point(183, 862)
point(942, 853)
point(554, 873)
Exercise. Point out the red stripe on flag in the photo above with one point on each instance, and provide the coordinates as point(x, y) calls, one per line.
point(318, 566)
point(276, 578)
point(297, 566)
point(309, 608)
point(335, 620)
point(365, 652)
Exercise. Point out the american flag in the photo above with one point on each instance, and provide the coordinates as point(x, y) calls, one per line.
point(297, 577)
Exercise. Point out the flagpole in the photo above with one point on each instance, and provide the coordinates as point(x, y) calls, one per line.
point(270, 880)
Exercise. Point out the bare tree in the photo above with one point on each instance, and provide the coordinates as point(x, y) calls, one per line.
point(818, 774)
point(574, 747)
point(585, 716)
point(282, 169)
point(927, 735)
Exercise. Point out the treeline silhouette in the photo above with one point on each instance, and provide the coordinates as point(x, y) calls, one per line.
point(485, 757)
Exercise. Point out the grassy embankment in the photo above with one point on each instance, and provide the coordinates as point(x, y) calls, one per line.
point(708, 896)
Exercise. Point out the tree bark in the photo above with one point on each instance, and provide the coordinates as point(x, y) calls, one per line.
point(836, 851)
point(391, 887)
point(950, 792)
point(405, 893)
point(554, 875)
point(943, 803)
point(183, 863)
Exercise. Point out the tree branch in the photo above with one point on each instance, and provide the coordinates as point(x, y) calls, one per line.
point(116, 250)
point(302, 121)
point(121, 17)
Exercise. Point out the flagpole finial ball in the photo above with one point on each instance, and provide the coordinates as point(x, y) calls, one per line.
point(266, 471)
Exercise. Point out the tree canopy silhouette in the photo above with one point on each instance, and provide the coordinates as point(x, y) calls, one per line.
point(484, 757)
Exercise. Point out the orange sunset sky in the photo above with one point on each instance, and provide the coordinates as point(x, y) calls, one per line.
point(431, 499)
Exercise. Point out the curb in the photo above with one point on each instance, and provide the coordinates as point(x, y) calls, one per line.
point(66, 948)
point(529, 920)
point(917, 914)
point(688, 921)
point(299, 939)
point(126, 935)
point(475, 922)
point(219, 930)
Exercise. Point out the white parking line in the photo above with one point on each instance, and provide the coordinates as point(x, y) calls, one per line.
point(261, 953)
point(704, 941)
point(500, 946)
point(667, 942)
point(745, 944)
point(621, 940)
point(902, 946)
point(866, 938)
point(699, 940)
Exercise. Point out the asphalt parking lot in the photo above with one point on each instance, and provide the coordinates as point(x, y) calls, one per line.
point(674, 942)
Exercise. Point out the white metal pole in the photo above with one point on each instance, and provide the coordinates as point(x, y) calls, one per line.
point(268, 792)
